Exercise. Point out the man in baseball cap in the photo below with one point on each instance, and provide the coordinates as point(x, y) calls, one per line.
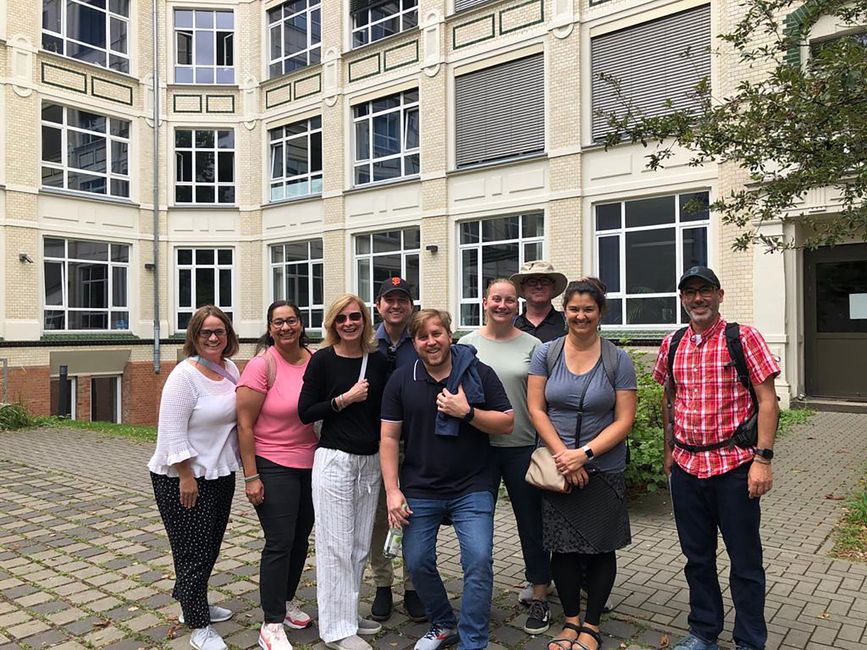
point(537, 283)
point(701, 272)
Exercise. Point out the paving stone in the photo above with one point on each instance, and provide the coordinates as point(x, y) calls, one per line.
point(48, 638)
point(24, 630)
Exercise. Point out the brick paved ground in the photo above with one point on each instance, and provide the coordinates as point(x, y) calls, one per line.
point(84, 561)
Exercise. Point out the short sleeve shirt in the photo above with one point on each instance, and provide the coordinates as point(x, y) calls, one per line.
point(710, 402)
point(279, 434)
point(563, 393)
point(551, 327)
point(436, 466)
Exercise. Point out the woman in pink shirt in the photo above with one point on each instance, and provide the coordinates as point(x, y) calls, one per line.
point(277, 452)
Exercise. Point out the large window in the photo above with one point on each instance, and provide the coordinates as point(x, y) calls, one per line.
point(86, 285)
point(294, 35)
point(495, 248)
point(296, 159)
point(657, 66)
point(204, 166)
point(386, 138)
point(94, 31)
point(204, 277)
point(84, 151)
point(204, 46)
point(373, 20)
point(296, 276)
point(642, 248)
point(381, 255)
point(500, 111)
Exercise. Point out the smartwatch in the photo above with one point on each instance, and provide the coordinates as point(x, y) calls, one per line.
point(470, 414)
point(767, 454)
point(588, 452)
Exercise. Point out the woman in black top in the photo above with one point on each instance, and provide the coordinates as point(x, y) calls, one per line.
point(343, 387)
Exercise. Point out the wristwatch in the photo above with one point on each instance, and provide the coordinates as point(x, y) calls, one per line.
point(470, 414)
point(767, 454)
point(588, 452)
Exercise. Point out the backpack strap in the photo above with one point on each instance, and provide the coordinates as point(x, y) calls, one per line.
point(672, 350)
point(736, 352)
point(554, 352)
point(610, 360)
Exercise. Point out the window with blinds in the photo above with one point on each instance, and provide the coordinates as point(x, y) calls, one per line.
point(655, 62)
point(460, 5)
point(500, 111)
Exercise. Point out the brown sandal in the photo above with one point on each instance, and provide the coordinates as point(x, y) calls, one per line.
point(562, 641)
point(592, 633)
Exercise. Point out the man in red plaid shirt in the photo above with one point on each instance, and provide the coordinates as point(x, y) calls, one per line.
point(715, 485)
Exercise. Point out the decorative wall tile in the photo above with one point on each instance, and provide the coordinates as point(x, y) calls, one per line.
point(364, 68)
point(307, 86)
point(401, 55)
point(54, 75)
point(187, 103)
point(219, 103)
point(278, 95)
point(474, 31)
point(110, 90)
point(522, 15)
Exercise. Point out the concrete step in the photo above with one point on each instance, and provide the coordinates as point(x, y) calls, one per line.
point(828, 404)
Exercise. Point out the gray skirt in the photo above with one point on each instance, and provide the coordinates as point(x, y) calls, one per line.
point(590, 520)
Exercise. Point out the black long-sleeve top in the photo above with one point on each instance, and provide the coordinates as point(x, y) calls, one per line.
point(355, 429)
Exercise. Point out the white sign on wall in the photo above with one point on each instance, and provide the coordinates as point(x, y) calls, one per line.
point(858, 306)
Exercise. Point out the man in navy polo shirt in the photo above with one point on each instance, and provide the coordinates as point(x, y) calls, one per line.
point(445, 472)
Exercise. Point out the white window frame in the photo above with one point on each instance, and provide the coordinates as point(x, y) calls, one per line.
point(279, 186)
point(406, 107)
point(216, 184)
point(64, 275)
point(195, 67)
point(312, 261)
point(367, 258)
point(678, 226)
point(312, 53)
point(217, 267)
point(524, 243)
point(407, 16)
point(63, 40)
point(66, 129)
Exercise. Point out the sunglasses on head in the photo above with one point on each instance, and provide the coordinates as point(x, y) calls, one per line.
point(354, 316)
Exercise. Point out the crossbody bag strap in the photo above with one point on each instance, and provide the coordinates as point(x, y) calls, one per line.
point(363, 367)
point(580, 418)
point(216, 368)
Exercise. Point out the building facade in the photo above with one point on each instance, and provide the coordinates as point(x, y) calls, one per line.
point(308, 147)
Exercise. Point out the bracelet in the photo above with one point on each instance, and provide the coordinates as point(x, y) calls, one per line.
point(761, 461)
point(334, 406)
point(250, 479)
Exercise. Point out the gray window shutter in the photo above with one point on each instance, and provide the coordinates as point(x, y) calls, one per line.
point(650, 63)
point(500, 111)
point(460, 5)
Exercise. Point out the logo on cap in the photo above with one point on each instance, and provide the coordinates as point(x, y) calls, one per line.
point(395, 282)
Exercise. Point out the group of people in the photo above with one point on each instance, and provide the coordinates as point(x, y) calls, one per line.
point(398, 427)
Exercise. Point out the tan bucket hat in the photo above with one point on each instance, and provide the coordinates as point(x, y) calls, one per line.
point(540, 267)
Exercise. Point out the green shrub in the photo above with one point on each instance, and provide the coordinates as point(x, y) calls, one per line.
point(644, 471)
point(14, 416)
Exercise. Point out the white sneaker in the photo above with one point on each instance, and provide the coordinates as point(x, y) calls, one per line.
point(218, 614)
point(272, 636)
point(295, 618)
point(206, 638)
point(366, 627)
point(525, 596)
point(353, 642)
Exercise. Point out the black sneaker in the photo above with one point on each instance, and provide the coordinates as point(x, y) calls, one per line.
point(382, 604)
point(414, 607)
point(539, 618)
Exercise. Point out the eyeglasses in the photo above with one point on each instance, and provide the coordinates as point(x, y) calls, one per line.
point(354, 316)
point(705, 291)
point(292, 321)
point(206, 334)
point(539, 282)
point(391, 360)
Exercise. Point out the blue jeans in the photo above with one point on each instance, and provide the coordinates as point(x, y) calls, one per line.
point(701, 506)
point(473, 519)
point(510, 464)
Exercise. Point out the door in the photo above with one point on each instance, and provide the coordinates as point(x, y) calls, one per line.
point(835, 321)
point(105, 399)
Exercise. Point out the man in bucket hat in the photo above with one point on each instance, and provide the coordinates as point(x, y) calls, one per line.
point(537, 283)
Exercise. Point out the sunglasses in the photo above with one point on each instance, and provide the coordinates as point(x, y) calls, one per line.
point(206, 334)
point(354, 316)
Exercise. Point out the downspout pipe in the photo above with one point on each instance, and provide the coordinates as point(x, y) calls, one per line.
point(156, 184)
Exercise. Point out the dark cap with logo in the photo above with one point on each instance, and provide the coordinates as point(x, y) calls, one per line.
point(699, 272)
point(392, 284)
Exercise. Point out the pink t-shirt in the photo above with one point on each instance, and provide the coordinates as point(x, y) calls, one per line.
point(280, 435)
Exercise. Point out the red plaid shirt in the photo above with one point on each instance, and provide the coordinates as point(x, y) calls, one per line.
point(710, 401)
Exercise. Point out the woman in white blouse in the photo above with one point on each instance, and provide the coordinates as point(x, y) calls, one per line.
point(193, 467)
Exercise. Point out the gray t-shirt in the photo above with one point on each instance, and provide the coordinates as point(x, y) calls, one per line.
point(510, 361)
point(563, 393)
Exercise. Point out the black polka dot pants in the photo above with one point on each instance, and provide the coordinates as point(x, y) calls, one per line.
point(195, 536)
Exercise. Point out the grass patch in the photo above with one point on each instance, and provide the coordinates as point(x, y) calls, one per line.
point(851, 542)
point(14, 416)
point(792, 417)
point(141, 432)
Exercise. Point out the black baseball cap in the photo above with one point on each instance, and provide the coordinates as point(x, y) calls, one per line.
point(702, 272)
point(392, 284)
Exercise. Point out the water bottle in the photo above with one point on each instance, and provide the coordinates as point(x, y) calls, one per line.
point(393, 543)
